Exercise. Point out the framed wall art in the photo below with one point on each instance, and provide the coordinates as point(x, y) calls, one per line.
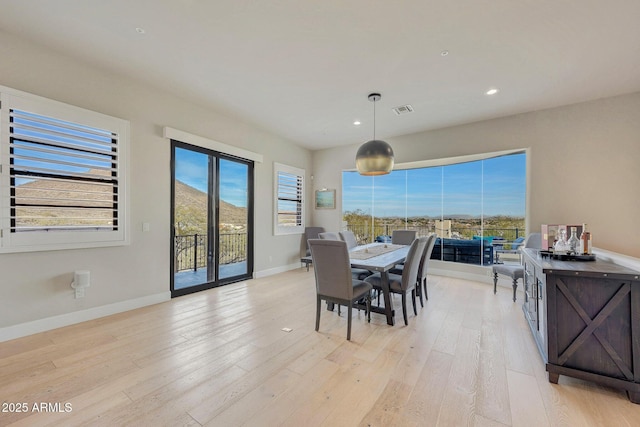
point(325, 199)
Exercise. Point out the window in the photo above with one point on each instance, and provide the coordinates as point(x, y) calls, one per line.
point(63, 176)
point(289, 199)
point(475, 203)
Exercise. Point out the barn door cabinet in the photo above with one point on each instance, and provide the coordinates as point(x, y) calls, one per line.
point(585, 318)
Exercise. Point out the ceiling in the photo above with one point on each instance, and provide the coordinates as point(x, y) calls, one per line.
point(302, 69)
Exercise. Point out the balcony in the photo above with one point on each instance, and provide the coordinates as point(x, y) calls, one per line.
point(191, 254)
point(457, 247)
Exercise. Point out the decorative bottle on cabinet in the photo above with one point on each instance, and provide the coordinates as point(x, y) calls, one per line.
point(561, 246)
point(585, 241)
point(573, 240)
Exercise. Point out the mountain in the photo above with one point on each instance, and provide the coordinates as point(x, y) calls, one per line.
point(191, 211)
point(57, 194)
point(191, 205)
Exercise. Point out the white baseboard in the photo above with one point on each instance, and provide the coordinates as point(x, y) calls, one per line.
point(54, 322)
point(276, 270)
point(477, 274)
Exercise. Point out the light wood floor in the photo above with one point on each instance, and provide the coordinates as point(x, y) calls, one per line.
point(220, 358)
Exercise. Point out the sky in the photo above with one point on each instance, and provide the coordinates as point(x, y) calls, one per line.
point(30, 150)
point(191, 166)
point(489, 187)
point(192, 169)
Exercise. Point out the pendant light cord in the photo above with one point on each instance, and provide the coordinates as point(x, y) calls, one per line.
point(374, 119)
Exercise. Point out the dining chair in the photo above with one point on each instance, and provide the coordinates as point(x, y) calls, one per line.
point(349, 238)
point(424, 264)
point(515, 271)
point(334, 282)
point(311, 233)
point(329, 235)
point(403, 237)
point(401, 284)
point(421, 282)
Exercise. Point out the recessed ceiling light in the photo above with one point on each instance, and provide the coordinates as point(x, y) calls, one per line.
point(140, 30)
point(492, 91)
point(444, 53)
point(357, 123)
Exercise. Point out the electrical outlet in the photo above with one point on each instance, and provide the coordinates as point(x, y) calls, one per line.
point(79, 293)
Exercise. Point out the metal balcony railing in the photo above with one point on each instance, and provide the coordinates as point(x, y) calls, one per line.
point(191, 250)
point(365, 233)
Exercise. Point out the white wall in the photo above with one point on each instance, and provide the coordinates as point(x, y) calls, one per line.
point(35, 286)
point(583, 165)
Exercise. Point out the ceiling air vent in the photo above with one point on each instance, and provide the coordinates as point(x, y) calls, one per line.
point(403, 109)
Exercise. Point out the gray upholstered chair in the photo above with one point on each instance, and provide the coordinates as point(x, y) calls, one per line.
point(515, 271)
point(422, 269)
point(334, 282)
point(329, 235)
point(350, 239)
point(401, 284)
point(311, 233)
point(403, 237)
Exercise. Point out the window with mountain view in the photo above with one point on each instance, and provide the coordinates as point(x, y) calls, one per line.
point(63, 175)
point(470, 205)
point(63, 183)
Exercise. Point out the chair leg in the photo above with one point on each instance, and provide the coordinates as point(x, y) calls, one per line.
point(419, 292)
point(338, 309)
point(404, 308)
point(426, 294)
point(413, 299)
point(349, 323)
point(318, 314)
point(369, 308)
point(495, 282)
point(515, 286)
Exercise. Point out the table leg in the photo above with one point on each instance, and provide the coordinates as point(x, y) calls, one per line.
point(388, 302)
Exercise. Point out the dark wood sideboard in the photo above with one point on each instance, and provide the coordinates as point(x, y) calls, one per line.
point(585, 318)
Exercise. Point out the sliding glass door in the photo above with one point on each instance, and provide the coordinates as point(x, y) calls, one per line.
point(212, 217)
point(233, 218)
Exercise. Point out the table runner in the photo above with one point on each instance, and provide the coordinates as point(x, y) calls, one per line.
point(371, 251)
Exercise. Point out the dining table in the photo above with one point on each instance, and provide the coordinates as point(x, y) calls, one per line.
point(380, 258)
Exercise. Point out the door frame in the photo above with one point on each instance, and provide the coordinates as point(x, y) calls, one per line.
point(213, 216)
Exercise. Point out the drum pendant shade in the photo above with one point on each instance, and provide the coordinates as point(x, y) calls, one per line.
point(374, 157)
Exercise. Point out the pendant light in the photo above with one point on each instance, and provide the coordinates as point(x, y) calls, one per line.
point(374, 157)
